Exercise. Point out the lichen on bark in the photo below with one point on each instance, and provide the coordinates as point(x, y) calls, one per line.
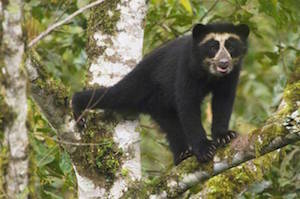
point(102, 18)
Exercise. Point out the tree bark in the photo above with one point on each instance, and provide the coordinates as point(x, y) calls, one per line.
point(16, 138)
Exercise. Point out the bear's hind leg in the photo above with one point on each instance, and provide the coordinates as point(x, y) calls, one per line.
point(177, 141)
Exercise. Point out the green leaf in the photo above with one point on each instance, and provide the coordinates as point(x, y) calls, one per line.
point(259, 186)
point(44, 155)
point(290, 196)
point(187, 5)
point(65, 163)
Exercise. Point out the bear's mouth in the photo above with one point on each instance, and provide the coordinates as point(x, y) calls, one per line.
point(222, 69)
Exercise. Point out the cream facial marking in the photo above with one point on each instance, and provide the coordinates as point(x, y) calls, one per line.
point(222, 63)
point(221, 37)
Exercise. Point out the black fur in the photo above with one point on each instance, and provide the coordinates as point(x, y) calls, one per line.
point(170, 84)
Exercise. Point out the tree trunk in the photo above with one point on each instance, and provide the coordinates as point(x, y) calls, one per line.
point(16, 138)
point(116, 33)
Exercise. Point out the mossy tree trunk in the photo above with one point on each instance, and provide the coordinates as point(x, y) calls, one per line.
point(14, 100)
point(115, 32)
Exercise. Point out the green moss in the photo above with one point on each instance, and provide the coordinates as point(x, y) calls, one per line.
point(292, 91)
point(228, 184)
point(191, 165)
point(107, 158)
point(145, 188)
point(100, 15)
point(124, 172)
point(102, 159)
point(263, 137)
point(226, 153)
point(235, 180)
point(291, 96)
point(54, 87)
point(104, 18)
point(273, 129)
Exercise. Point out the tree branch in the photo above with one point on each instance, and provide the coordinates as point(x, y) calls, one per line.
point(51, 96)
point(56, 25)
point(281, 129)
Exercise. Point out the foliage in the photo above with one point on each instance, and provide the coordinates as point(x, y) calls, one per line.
point(51, 172)
point(63, 51)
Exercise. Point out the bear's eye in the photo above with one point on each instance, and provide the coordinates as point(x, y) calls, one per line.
point(211, 47)
point(214, 48)
point(233, 46)
point(230, 48)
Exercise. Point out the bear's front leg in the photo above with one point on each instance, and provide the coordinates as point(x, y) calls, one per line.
point(222, 103)
point(189, 115)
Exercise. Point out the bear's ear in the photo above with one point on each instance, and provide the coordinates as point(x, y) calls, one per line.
point(199, 30)
point(243, 30)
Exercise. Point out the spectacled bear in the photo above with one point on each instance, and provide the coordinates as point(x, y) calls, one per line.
point(171, 82)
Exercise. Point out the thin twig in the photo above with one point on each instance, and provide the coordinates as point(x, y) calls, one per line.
point(64, 142)
point(92, 105)
point(56, 25)
point(281, 52)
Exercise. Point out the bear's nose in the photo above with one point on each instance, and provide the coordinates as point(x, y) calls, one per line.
point(223, 64)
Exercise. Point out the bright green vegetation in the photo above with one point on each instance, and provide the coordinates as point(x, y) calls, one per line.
point(51, 172)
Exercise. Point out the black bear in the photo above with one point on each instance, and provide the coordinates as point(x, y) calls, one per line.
point(171, 82)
